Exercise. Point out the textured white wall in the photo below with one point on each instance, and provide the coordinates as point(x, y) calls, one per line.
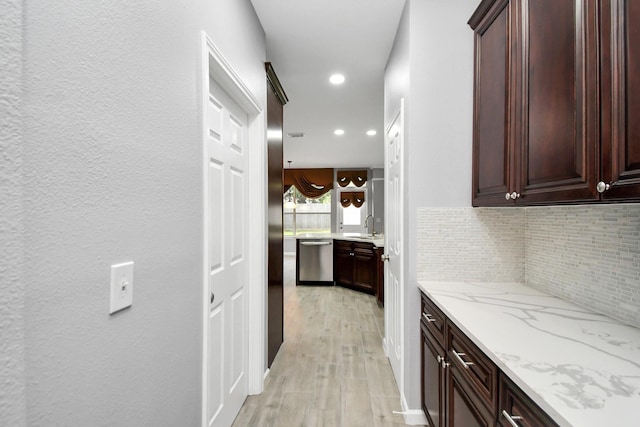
point(12, 388)
point(112, 172)
point(432, 60)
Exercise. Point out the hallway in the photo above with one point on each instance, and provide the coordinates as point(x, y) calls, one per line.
point(331, 369)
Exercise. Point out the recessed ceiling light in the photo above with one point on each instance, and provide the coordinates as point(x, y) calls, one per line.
point(338, 132)
point(371, 132)
point(337, 79)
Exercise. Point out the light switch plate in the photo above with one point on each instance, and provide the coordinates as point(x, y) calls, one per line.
point(121, 286)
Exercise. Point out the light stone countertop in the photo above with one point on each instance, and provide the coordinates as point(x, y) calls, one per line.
point(378, 241)
point(581, 367)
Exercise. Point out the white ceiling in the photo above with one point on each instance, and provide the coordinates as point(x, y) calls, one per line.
point(307, 41)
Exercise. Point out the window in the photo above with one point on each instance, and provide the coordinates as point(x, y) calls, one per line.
point(303, 215)
point(351, 215)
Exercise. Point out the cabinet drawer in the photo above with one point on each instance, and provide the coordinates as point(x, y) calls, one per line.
point(475, 367)
point(516, 407)
point(434, 319)
point(342, 245)
point(365, 249)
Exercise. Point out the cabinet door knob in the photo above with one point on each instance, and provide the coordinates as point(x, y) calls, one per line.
point(507, 196)
point(384, 257)
point(602, 187)
point(511, 418)
point(514, 195)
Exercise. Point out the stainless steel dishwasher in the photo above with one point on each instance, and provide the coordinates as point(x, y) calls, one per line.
point(314, 265)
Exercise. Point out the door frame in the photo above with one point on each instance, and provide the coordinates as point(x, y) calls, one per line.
point(214, 66)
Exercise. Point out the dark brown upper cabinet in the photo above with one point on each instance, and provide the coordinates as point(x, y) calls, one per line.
point(620, 41)
point(553, 103)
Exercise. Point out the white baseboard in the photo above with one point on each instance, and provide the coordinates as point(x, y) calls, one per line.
point(413, 417)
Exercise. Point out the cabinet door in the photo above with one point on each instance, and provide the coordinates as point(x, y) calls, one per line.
point(463, 410)
point(433, 383)
point(364, 268)
point(342, 262)
point(379, 285)
point(557, 115)
point(492, 144)
point(621, 99)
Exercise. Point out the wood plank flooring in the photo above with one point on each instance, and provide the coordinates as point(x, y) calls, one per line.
point(331, 370)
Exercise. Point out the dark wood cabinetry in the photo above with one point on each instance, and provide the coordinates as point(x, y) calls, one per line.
point(463, 409)
point(380, 275)
point(620, 46)
point(461, 386)
point(554, 111)
point(355, 265)
point(517, 407)
point(492, 141)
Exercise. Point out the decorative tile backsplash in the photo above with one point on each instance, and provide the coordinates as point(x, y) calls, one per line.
point(471, 244)
point(588, 254)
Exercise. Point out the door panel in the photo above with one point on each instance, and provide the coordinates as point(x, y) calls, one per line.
point(559, 122)
point(491, 134)
point(216, 361)
point(275, 292)
point(621, 57)
point(394, 170)
point(227, 197)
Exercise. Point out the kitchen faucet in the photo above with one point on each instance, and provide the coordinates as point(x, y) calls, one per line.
point(373, 224)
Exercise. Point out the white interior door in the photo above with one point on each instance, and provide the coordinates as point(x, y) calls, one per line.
point(227, 197)
point(393, 294)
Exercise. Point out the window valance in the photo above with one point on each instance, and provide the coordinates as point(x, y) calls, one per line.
point(355, 198)
point(310, 182)
point(358, 177)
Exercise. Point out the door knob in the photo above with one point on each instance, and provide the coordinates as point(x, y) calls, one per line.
point(384, 257)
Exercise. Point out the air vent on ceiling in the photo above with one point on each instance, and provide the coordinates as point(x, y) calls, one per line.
point(295, 134)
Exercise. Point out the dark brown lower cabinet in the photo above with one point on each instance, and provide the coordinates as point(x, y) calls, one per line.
point(433, 379)
point(516, 407)
point(463, 409)
point(355, 265)
point(380, 274)
point(462, 387)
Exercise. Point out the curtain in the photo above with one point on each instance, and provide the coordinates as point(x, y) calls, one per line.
point(312, 183)
point(355, 198)
point(358, 178)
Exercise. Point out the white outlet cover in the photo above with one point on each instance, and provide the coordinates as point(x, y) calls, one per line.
point(121, 286)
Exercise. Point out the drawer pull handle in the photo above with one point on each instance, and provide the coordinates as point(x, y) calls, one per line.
point(511, 418)
point(461, 360)
point(428, 317)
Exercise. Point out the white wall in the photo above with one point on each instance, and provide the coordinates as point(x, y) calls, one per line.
point(111, 166)
point(432, 60)
point(12, 388)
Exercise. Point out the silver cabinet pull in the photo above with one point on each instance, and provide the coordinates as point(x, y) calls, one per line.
point(507, 196)
point(461, 360)
point(514, 195)
point(384, 257)
point(440, 359)
point(428, 317)
point(511, 418)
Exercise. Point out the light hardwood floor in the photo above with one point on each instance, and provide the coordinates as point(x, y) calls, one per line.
point(331, 370)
